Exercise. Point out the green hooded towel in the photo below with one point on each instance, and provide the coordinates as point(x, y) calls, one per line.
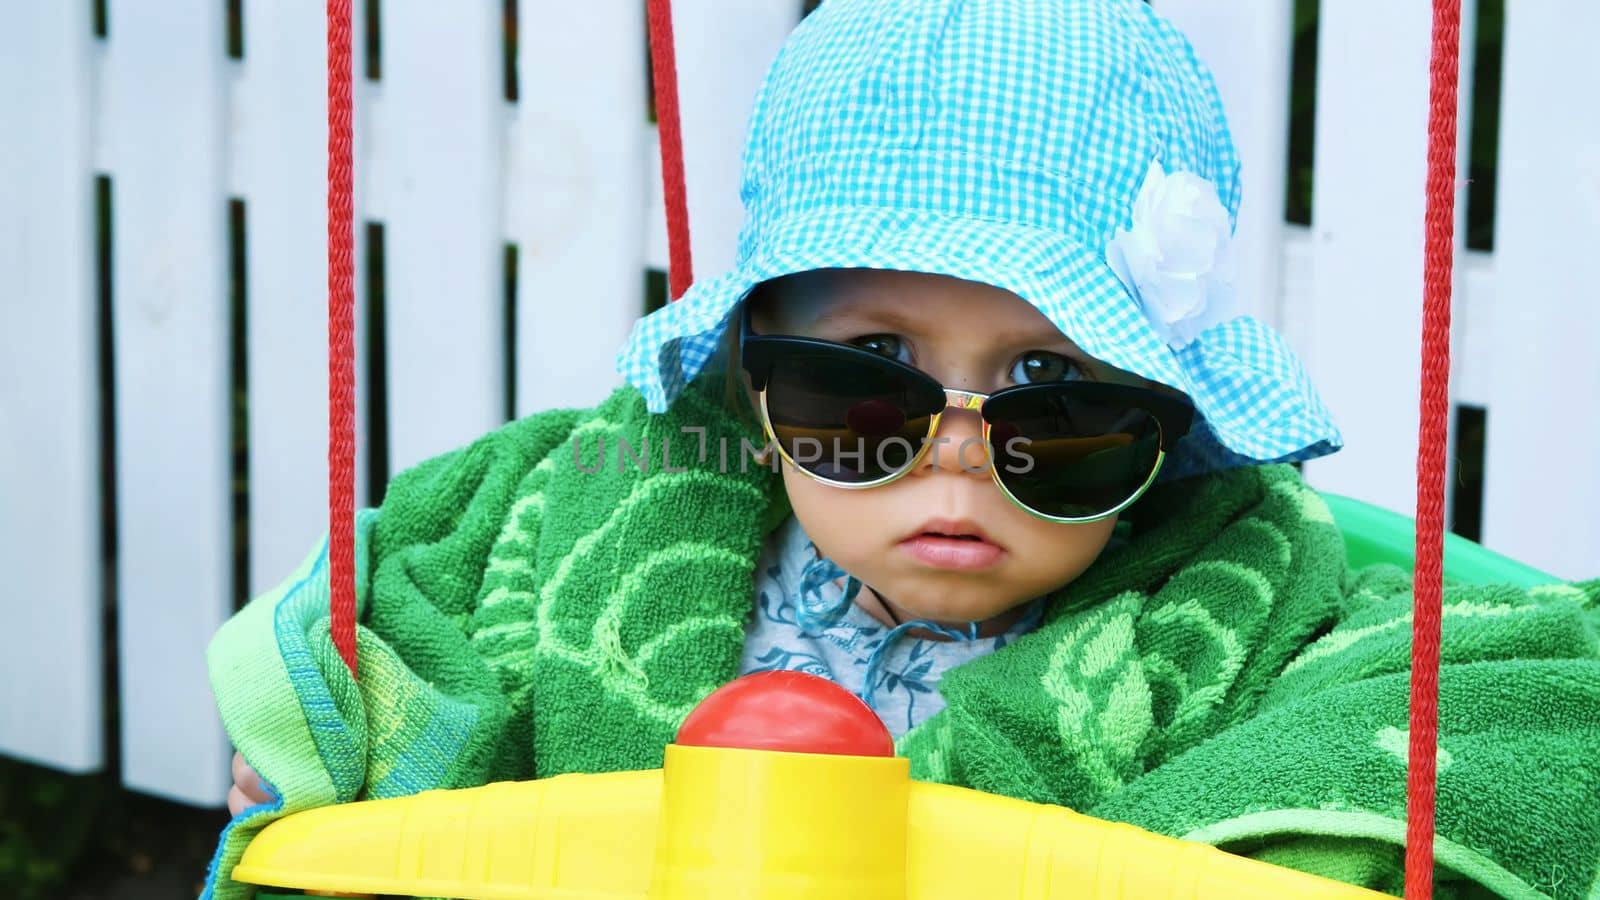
point(1221, 677)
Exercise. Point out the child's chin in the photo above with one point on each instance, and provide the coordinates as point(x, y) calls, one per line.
point(958, 611)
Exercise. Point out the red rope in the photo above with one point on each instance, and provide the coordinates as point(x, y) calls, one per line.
point(1436, 279)
point(664, 68)
point(341, 339)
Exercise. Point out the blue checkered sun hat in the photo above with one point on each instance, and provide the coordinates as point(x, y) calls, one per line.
point(1063, 150)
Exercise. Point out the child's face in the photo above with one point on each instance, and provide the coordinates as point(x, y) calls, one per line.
point(968, 336)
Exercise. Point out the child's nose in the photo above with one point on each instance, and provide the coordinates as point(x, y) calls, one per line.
point(957, 445)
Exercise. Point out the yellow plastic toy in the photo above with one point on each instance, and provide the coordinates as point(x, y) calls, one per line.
point(781, 785)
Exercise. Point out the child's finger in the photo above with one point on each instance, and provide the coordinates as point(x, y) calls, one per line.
point(237, 801)
point(248, 781)
point(242, 772)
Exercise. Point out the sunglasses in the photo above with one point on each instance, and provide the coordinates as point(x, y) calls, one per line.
point(1066, 451)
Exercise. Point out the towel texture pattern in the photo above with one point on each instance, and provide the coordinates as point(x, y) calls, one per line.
point(1221, 676)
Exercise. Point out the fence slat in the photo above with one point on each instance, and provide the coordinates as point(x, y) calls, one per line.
point(284, 93)
point(724, 48)
point(1247, 46)
point(1473, 309)
point(576, 197)
point(167, 85)
point(443, 195)
point(1365, 327)
point(50, 640)
point(1541, 485)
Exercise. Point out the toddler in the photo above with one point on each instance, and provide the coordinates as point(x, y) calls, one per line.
point(1020, 486)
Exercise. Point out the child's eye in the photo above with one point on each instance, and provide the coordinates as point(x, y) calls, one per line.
point(884, 345)
point(1042, 367)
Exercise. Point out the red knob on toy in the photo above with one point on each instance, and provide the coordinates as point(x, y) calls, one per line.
point(789, 711)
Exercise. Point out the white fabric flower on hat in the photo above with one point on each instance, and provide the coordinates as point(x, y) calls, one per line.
point(1177, 259)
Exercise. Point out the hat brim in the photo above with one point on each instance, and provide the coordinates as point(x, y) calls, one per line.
point(1254, 399)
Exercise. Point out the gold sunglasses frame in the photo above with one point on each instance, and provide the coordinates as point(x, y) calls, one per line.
point(958, 399)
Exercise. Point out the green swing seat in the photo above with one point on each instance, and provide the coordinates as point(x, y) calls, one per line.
point(1376, 535)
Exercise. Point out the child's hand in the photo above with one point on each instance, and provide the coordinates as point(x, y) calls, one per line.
point(248, 789)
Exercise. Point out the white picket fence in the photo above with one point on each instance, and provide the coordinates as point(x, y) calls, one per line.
point(568, 174)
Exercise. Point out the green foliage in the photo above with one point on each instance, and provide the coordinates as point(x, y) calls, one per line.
point(85, 837)
point(46, 821)
point(1302, 114)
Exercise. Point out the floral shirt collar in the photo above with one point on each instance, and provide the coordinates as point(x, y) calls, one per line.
point(807, 620)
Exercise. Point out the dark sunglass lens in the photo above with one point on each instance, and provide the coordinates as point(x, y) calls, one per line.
point(846, 419)
point(1072, 451)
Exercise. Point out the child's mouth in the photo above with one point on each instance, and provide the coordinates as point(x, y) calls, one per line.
point(957, 545)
